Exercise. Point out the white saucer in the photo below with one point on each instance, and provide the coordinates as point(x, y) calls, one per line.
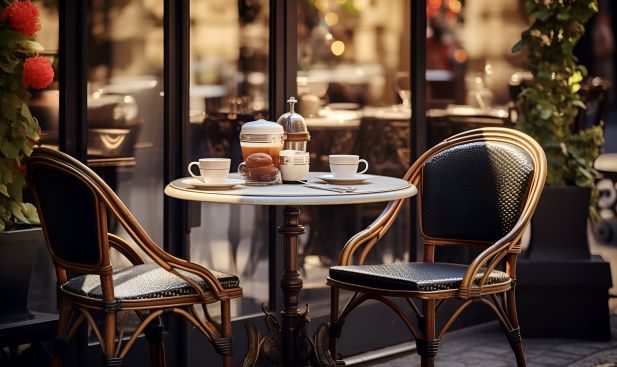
point(354, 180)
point(199, 184)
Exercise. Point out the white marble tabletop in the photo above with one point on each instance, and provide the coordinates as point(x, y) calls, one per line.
point(374, 189)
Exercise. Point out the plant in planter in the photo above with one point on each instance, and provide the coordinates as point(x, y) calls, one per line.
point(548, 108)
point(21, 68)
point(558, 268)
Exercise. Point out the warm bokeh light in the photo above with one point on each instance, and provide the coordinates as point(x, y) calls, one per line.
point(460, 55)
point(341, 2)
point(361, 4)
point(434, 4)
point(337, 48)
point(488, 69)
point(331, 19)
point(455, 6)
point(322, 5)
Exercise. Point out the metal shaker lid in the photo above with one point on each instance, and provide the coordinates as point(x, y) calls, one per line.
point(293, 123)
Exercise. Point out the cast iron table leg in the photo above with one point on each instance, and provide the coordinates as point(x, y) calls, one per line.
point(291, 283)
point(288, 343)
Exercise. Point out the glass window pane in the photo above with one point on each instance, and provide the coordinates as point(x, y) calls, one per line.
point(125, 112)
point(229, 86)
point(469, 69)
point(354, 90)
point(125, 106)
point(44, 106)
point(44, 103)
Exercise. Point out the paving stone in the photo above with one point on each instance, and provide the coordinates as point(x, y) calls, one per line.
point(485, 346)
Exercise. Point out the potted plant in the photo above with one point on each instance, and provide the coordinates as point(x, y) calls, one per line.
point(558, 277)
point(21, 68)
point(548, 110)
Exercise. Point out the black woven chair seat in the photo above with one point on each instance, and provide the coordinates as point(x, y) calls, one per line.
point(410, 276)
point(144, 281)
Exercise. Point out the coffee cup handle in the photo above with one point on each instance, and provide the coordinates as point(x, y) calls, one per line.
point(191, 172)
point(241, 168)
point(365, 165)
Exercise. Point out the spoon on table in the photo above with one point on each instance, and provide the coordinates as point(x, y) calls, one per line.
point(328, 187)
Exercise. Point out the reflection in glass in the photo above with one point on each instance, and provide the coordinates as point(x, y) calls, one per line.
point(402, 85)
point(44, 106)
point(125, 110)
point(349, 53)
point(229, 87)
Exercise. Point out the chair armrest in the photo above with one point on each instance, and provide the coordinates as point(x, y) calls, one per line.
point(124, 248)
point(369, 236)
point(376, 230)
point(488, 261)
point(158, 255)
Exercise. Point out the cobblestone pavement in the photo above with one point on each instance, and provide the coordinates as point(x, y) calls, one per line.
point(486, 345)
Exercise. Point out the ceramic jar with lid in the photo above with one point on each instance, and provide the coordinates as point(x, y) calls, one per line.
point(297, 135)
point(262, 136)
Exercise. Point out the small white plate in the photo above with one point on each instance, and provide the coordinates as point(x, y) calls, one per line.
point(357, 179)
point(199, 184)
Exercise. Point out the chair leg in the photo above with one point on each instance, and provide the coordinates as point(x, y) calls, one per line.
point(109, 352)
point(226, 331)
point(428, 345)
point(334, 327)
point(514, 335)
point(154, 335)
point(61, 334)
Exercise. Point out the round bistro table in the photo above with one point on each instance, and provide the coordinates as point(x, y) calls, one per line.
point(293, 348)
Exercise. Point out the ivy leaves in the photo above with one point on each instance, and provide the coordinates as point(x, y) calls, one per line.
point(548, 108)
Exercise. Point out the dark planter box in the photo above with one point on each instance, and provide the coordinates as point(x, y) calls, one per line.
point(18, 250)
point(559, 225)
point(564, 299)
point(562, 290)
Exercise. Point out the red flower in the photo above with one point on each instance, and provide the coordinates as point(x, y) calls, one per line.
point(38, 72)
point(23, 16)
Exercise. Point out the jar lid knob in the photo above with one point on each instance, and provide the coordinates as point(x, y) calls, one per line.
point(292, 101)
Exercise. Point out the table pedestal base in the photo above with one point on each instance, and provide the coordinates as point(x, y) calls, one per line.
point(265, 350)
point(288, 344)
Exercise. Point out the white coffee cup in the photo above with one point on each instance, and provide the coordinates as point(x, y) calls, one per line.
point(294, 165)
point(346, 165)
point(212, 170)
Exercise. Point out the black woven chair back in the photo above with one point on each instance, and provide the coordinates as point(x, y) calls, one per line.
point(474, 191)
point(69, 209)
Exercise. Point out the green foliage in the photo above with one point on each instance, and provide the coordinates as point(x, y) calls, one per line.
point(548, 108)
point(18, 128)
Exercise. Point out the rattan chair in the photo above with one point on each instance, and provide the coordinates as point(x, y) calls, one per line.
point(476, 188)
point(74, 204)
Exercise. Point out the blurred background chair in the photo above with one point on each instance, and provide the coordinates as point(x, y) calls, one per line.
point(477, 188)
point(74, 205)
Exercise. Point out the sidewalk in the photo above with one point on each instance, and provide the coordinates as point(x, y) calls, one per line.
point(486, 346)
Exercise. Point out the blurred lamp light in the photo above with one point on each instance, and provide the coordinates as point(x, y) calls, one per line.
point(322, 5)
point(337, 48)
point(331, 19)
point(361, 4)
point(455, 6)
point(460, 56)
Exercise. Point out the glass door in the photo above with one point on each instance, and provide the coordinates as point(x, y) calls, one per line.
point(353, 86)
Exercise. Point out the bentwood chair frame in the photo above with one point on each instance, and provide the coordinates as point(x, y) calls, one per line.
point(75, 308)
point(500, 297)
